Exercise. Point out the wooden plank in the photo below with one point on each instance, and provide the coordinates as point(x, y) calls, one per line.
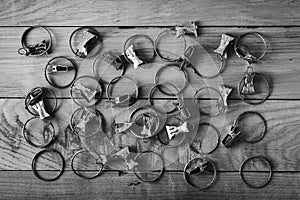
point(280, 63)
point(23, 184)
point(280, 144)
point(154, 13)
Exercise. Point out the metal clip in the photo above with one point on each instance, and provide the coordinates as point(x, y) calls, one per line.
point(36, 49)
point(221, 51)
point(113, 60)
point(187, 28)
point(51, 69)
point(225, 92)
point(85, 44)
point(186, 57)
point(231, 136)
point(198, 168)
point(248, 87)
point(131, 54)
point(87, 93)
point(85, 117)
point(175, 130)
point(37, 103)
point(183, 110)
point(120, 100)
point(246, 55)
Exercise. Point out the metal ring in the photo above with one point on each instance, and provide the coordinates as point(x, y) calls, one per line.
point(156, 115)
point(98, 113)
point(220, 110)
point(132, 99)
point(160, 173)
point(27, 101)
point(156, 86)
point(24, 132)
point(237, 50)
point(122, 71)
point(54, 84)
point(202, 159)
point(81, 175)
point(135, 36)
point(184, 72)
point(218, 139)
point(260, 137)
point(34, 161)
point(249, 101)
point(23, 50)
point(157, 49)
point(266, 161)
point(94, 31)
point(100, 93)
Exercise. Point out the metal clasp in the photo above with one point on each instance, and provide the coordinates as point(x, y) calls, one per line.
point(221, 51)
point(36, 49)
point(248, 87)
point(37, 103)
point(131, 55)
point(87, 93)
point(113, 60)
point(85, 44)
point(85, 117)
point(186, 57)
point(51, 69)
point(188, 28)
point(120, 100)
point(175, 130)
point(198, 168)
point(225, 92)
point(231, 137)
point(183, 110)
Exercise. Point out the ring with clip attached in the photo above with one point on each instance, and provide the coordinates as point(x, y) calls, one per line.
point(86, 91)
point(53, 69)
point(235, 132)
point(138, 55)
point(87, 43)
point(250, 159)
point(48, 128)
point(80, 174)
point(177, 67)
point(35, 102)
point(35, 160)
point(112, 60)
point(38, 49)
point(124, 100)
point(143, 176)
point(197, 167)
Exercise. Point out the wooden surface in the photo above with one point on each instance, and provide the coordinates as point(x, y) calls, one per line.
point(278, 21)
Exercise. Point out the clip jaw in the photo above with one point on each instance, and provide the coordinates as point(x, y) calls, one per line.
point(84, 47)
point(52, 69)
point(172, 131)
point(131, 55)
point(37, 103)
point(187, 29)
point(231, 137)
point(248, 87)
point(37, 49)
point(87, 93)
point(221, 51)
point(225, 92)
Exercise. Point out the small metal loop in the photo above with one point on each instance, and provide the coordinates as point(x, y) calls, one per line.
point(160, 172)
point(156, 44)
point(25, 133)
point(174, 65)
point(72, 67)
point(121, 67)
point(34, 163)
point(201, 170)
point(248, 101)
point(266, 161)
point(81, 175)
point(260, 137)
point(35, 50)
point(27, 100)
point(130, 98)
point(247, 56)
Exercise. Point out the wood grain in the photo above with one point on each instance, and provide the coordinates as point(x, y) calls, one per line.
point(23, 184)
point(154, 13)
point(281, 63)
point(280, 144)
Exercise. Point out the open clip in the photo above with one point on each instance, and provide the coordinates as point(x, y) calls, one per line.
point(87, 93)
point(36, 49)
point(221, 51)
point(37, 103)
point(248, 87)
point(53, 69)
point(231, 137)
point(131, 55)
point(84, 47)
point(175, 130)
point(188, 28)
